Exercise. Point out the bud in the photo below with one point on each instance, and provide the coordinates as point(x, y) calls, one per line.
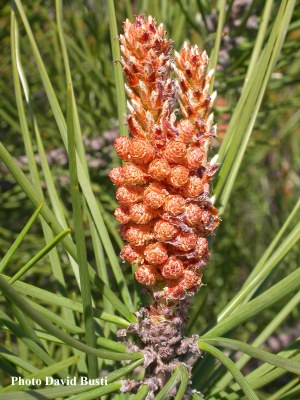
point(175, 292)
point(172, 269)
point(116, 176)
point(122, 144)
point(141, 214)
point(165, 231)
point(194, 187)
point(179, 176)
point(194, 158)
point(175, 151)
point(202, 248)
point(155, 195)
point(138, 235)
point(159, 169)
point(186, 241)
point(193, 215)
point(174, 205)
point(141, 151)
point(132, 254)
point(156, 253)
point(133, 174)
point(122, 215)
point(146, 274)
point(188, 280)
point(128, 195)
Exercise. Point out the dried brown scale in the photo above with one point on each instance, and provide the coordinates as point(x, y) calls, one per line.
point(163, 187)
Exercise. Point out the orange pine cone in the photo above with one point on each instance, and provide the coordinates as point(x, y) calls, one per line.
point(163, 189)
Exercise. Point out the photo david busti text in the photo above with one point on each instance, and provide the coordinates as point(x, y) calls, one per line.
point(49, 380)
point(149, 200)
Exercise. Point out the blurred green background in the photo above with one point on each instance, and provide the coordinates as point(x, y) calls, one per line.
point(268, 182)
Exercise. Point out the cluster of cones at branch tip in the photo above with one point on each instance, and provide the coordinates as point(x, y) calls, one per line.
point(165, 211)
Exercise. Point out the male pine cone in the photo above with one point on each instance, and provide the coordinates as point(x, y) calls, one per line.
point(165, 210)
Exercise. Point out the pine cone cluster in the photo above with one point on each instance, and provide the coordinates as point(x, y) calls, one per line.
point(165, 211)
